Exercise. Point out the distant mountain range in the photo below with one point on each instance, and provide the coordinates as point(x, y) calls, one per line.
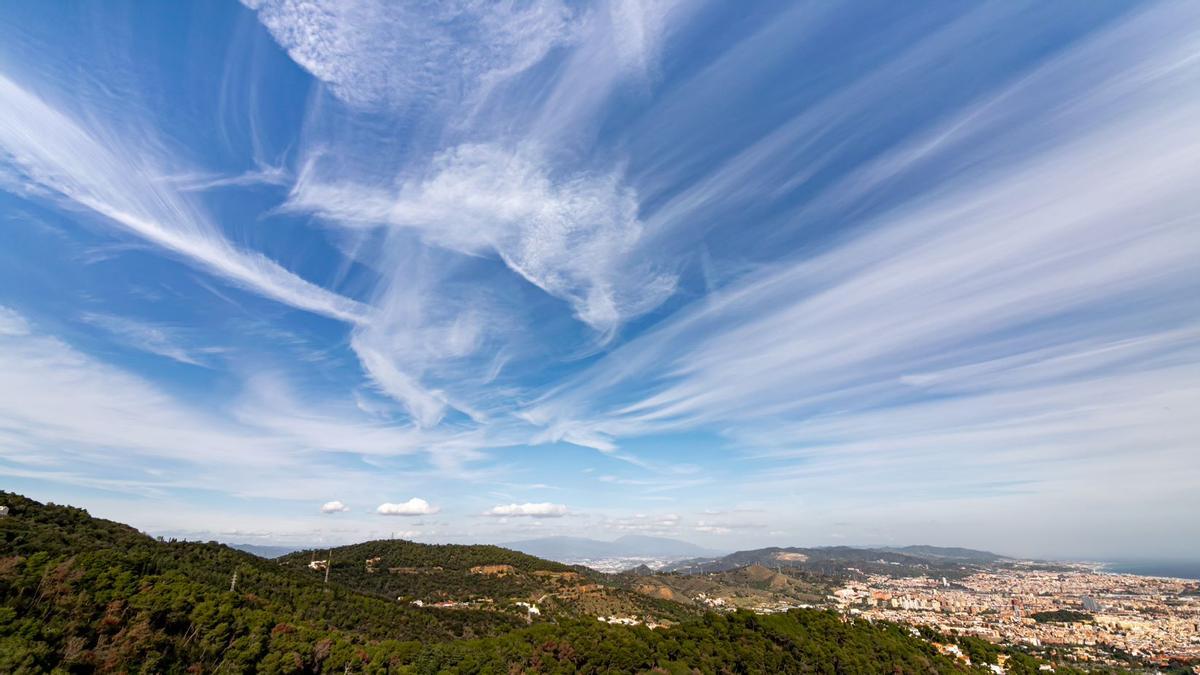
point(839, 560)
point(947, 553)
point(268, 552)
point(571, 549)
point(690, 557)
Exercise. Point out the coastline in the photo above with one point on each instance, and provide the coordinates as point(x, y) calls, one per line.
point(1171, 569)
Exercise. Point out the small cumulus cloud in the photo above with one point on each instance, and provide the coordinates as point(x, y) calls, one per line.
point(334, 506)
point(542, 510)
point(413, 507)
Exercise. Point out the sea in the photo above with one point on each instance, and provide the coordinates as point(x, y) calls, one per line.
point(1179, 569)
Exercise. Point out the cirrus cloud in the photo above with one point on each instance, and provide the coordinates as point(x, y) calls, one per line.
point(372, 53)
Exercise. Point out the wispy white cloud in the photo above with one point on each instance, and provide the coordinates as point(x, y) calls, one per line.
point(655, 484)
point(373, 53)
point(490, 185)
point(265, 444)
point(1027, 334)
point(269, 404)
point(263, 175)
point(12, 322)
point(639, 27)
point(618, 47)
point(645, 523)
point(575, 238)
point(726, 525)
point(426, 407)
point(42, 376)
point(1048, 239)
point(120, 180)
point(146, 336)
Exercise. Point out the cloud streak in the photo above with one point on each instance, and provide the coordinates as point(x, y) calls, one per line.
point(60, 156)
point(148, 337)
point(1035, 318)
point(168, 444)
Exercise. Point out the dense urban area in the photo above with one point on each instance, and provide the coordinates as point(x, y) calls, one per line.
point(1092, 616)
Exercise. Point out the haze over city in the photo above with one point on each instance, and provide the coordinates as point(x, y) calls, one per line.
point(738, 274)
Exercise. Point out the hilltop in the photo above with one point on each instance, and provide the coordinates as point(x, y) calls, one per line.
point(479, 577)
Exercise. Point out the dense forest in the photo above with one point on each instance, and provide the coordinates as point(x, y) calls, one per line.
point(81, 595)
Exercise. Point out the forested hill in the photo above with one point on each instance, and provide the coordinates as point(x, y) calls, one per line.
point(481, 577)
point(84, 595)
point(403, 553)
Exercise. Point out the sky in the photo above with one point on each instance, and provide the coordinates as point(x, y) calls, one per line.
point(745, 274)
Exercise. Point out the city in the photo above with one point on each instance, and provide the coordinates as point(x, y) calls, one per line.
point(1148, 618)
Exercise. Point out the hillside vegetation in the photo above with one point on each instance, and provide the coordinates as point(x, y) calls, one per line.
point(743, 587)
point(83, 595)
point(86, 594)
point(481, 577)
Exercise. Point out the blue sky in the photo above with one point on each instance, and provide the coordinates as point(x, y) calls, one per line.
point(738, 273)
